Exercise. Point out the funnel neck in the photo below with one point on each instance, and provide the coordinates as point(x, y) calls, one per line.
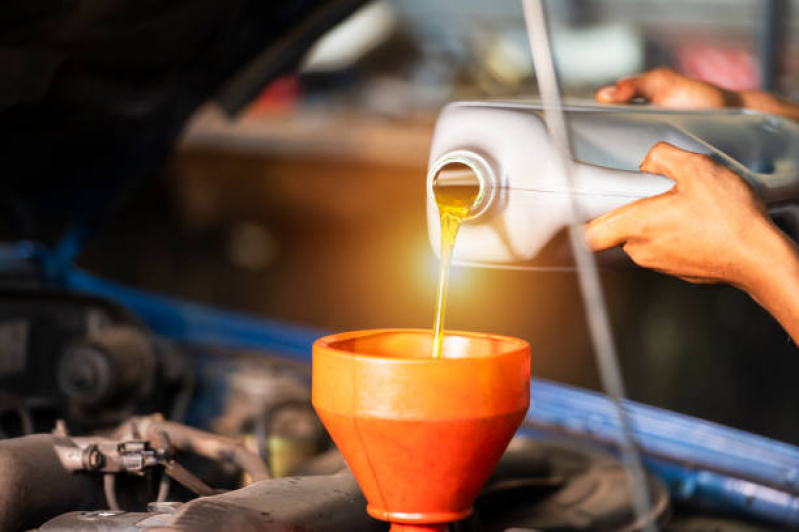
point(400, 527)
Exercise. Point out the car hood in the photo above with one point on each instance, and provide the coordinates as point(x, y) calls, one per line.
point(93, 94)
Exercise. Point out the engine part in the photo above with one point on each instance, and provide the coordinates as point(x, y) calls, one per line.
point(319, 504)
point(37, 487)
point(267, 400)
point(322, 504)
point(103, 455)
point(538, 485)
point(205, 444)
point(105, 521)
point(144, 444)
point(288, 435)
point(82, 359)
point(107, 367)
point(48, 474)
point(554, 486)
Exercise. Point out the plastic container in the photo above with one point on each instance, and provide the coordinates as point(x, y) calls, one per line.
point(524, 196)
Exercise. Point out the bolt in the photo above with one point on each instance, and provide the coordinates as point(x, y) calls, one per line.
point(93, 459)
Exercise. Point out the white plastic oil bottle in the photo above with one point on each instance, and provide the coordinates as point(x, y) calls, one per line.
point(523, 198)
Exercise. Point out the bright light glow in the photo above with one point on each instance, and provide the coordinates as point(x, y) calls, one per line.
point(426, 266)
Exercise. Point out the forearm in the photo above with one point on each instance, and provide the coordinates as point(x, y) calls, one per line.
point(768, 103)
point(774, 281)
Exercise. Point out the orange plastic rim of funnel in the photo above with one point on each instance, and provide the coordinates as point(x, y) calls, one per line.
point(421, 435)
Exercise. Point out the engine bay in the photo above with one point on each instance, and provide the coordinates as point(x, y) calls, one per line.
point(125, 430)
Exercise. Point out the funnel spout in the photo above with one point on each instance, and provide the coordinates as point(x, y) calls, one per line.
point(400, 527)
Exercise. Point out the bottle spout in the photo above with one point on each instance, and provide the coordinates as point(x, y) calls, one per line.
point(462, 175)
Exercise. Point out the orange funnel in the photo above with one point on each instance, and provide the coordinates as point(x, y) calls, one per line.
point(421, 435)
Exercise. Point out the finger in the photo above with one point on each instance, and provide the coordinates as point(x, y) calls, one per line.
point(607, 231)
point(618, 226)
point(655, 84)
point(622, 92)
point(696, 280)
point(669, 160)
point(648, 85)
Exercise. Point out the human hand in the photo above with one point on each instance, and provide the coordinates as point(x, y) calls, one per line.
point(665, 87)
point(710, 227)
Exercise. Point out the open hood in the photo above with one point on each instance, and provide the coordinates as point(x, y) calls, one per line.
point(94, 93)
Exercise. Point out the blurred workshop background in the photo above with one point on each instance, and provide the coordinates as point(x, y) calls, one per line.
point(307, 205)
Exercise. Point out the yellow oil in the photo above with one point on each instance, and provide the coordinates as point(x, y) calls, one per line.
point(454, 203)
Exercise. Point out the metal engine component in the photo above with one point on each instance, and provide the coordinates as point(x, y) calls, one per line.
point(45, 475)
point(82, 359)
point(184, 438)
point(555, 486)
point(146, 444)
point(105, 521)
point(108, 456)
point(107, 366)
point(538, 485)
point(321, 504)
point(268, 401)
point(37, 487)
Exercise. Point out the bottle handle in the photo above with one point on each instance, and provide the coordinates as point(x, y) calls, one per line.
point(599, 189)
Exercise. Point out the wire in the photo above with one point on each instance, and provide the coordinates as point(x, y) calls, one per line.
point(110, 489)
point(163, 487)
point(591, 288)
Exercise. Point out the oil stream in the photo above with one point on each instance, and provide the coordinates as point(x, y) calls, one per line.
point(454, 201)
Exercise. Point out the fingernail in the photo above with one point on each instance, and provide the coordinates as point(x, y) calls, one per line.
point(606, 94)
